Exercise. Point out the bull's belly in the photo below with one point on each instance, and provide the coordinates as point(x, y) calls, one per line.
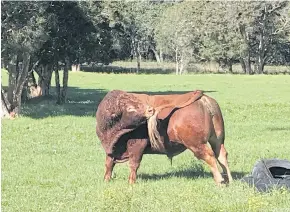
point(171, 149)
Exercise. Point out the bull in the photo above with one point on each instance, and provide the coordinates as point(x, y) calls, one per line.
point(130, 125)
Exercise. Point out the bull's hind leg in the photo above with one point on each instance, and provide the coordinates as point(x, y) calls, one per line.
point(217, 144)
point(136, 148)
point(222, 156)
point(223, 161)
point(205, 153)
point(109, 165)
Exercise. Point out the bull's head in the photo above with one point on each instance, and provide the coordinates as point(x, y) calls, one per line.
point(134, 112)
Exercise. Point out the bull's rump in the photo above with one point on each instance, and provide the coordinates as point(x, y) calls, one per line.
point(200, 120)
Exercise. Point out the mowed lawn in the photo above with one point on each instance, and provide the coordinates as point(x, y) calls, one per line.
point(53, 161)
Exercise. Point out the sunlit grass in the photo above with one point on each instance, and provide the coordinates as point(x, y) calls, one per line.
point(53, 161)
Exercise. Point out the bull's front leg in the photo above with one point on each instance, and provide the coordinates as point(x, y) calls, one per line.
point(136, 148)
point(109, 165)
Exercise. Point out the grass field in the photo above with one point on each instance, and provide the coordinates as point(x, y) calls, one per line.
point(53, 161)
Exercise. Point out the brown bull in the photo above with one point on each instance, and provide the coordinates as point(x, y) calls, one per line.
point(130, 125)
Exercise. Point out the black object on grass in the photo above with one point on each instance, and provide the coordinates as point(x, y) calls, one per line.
point(268, 174)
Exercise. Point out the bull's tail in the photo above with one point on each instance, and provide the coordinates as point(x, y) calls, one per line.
point(217, 118)
point(154, 136)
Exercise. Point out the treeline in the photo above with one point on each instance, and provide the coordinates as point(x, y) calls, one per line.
point(250, 33)
point(45, 37)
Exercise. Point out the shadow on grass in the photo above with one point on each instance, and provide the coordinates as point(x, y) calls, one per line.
point(161, 69)
point(125, 70)
point(80, 102)
point(192, 172)
point(167, 92)
point(279, 128)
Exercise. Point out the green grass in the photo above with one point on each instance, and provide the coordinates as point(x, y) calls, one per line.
point(53, 161)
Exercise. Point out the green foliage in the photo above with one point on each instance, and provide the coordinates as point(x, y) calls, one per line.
point(225, 31)
point(220, 38)
point(134, 25)
point(79, 31)
point(100, 31)
point(54, 30)
point(22, 27)
point(40, 36)
point(53, 161)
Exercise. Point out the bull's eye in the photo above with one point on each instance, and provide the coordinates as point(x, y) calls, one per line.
point(131, 108)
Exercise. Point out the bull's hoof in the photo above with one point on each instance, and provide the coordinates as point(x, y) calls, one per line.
point(132, 181)
point(107, 179)
point(223, 183)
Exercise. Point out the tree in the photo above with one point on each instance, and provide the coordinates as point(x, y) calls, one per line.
point(133, 23)
point(79, 33)
point(22, 35)
point(219, 39)
point(46, 36)
point(271, 23)
point(178, 32)
point(261, 25)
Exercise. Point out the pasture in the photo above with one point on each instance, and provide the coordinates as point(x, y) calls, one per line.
point(53, 161)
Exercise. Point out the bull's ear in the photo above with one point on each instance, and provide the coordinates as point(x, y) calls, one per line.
point(131, 108)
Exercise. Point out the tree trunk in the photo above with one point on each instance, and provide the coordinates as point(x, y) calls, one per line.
point(17, 79)
point(75, 67)
point(176, 62)
point(65, 81)
point(181, 67)
point(243, 65)
point(138, 62)
point(156, 55)
point(12, 80)
point(44, 80)
point(230, 65)
point(259, 66)
point(138, 57)
point(57, 85)
point(246, 64)
point(4, 63)
point(161, 56)
point(24, 93)
point(31, 79)
point(4, 104)
point(260, 61)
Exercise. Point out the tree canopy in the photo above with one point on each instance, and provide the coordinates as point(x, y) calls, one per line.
point(43, 37)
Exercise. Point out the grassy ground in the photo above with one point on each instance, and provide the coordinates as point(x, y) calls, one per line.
point(53, 161)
